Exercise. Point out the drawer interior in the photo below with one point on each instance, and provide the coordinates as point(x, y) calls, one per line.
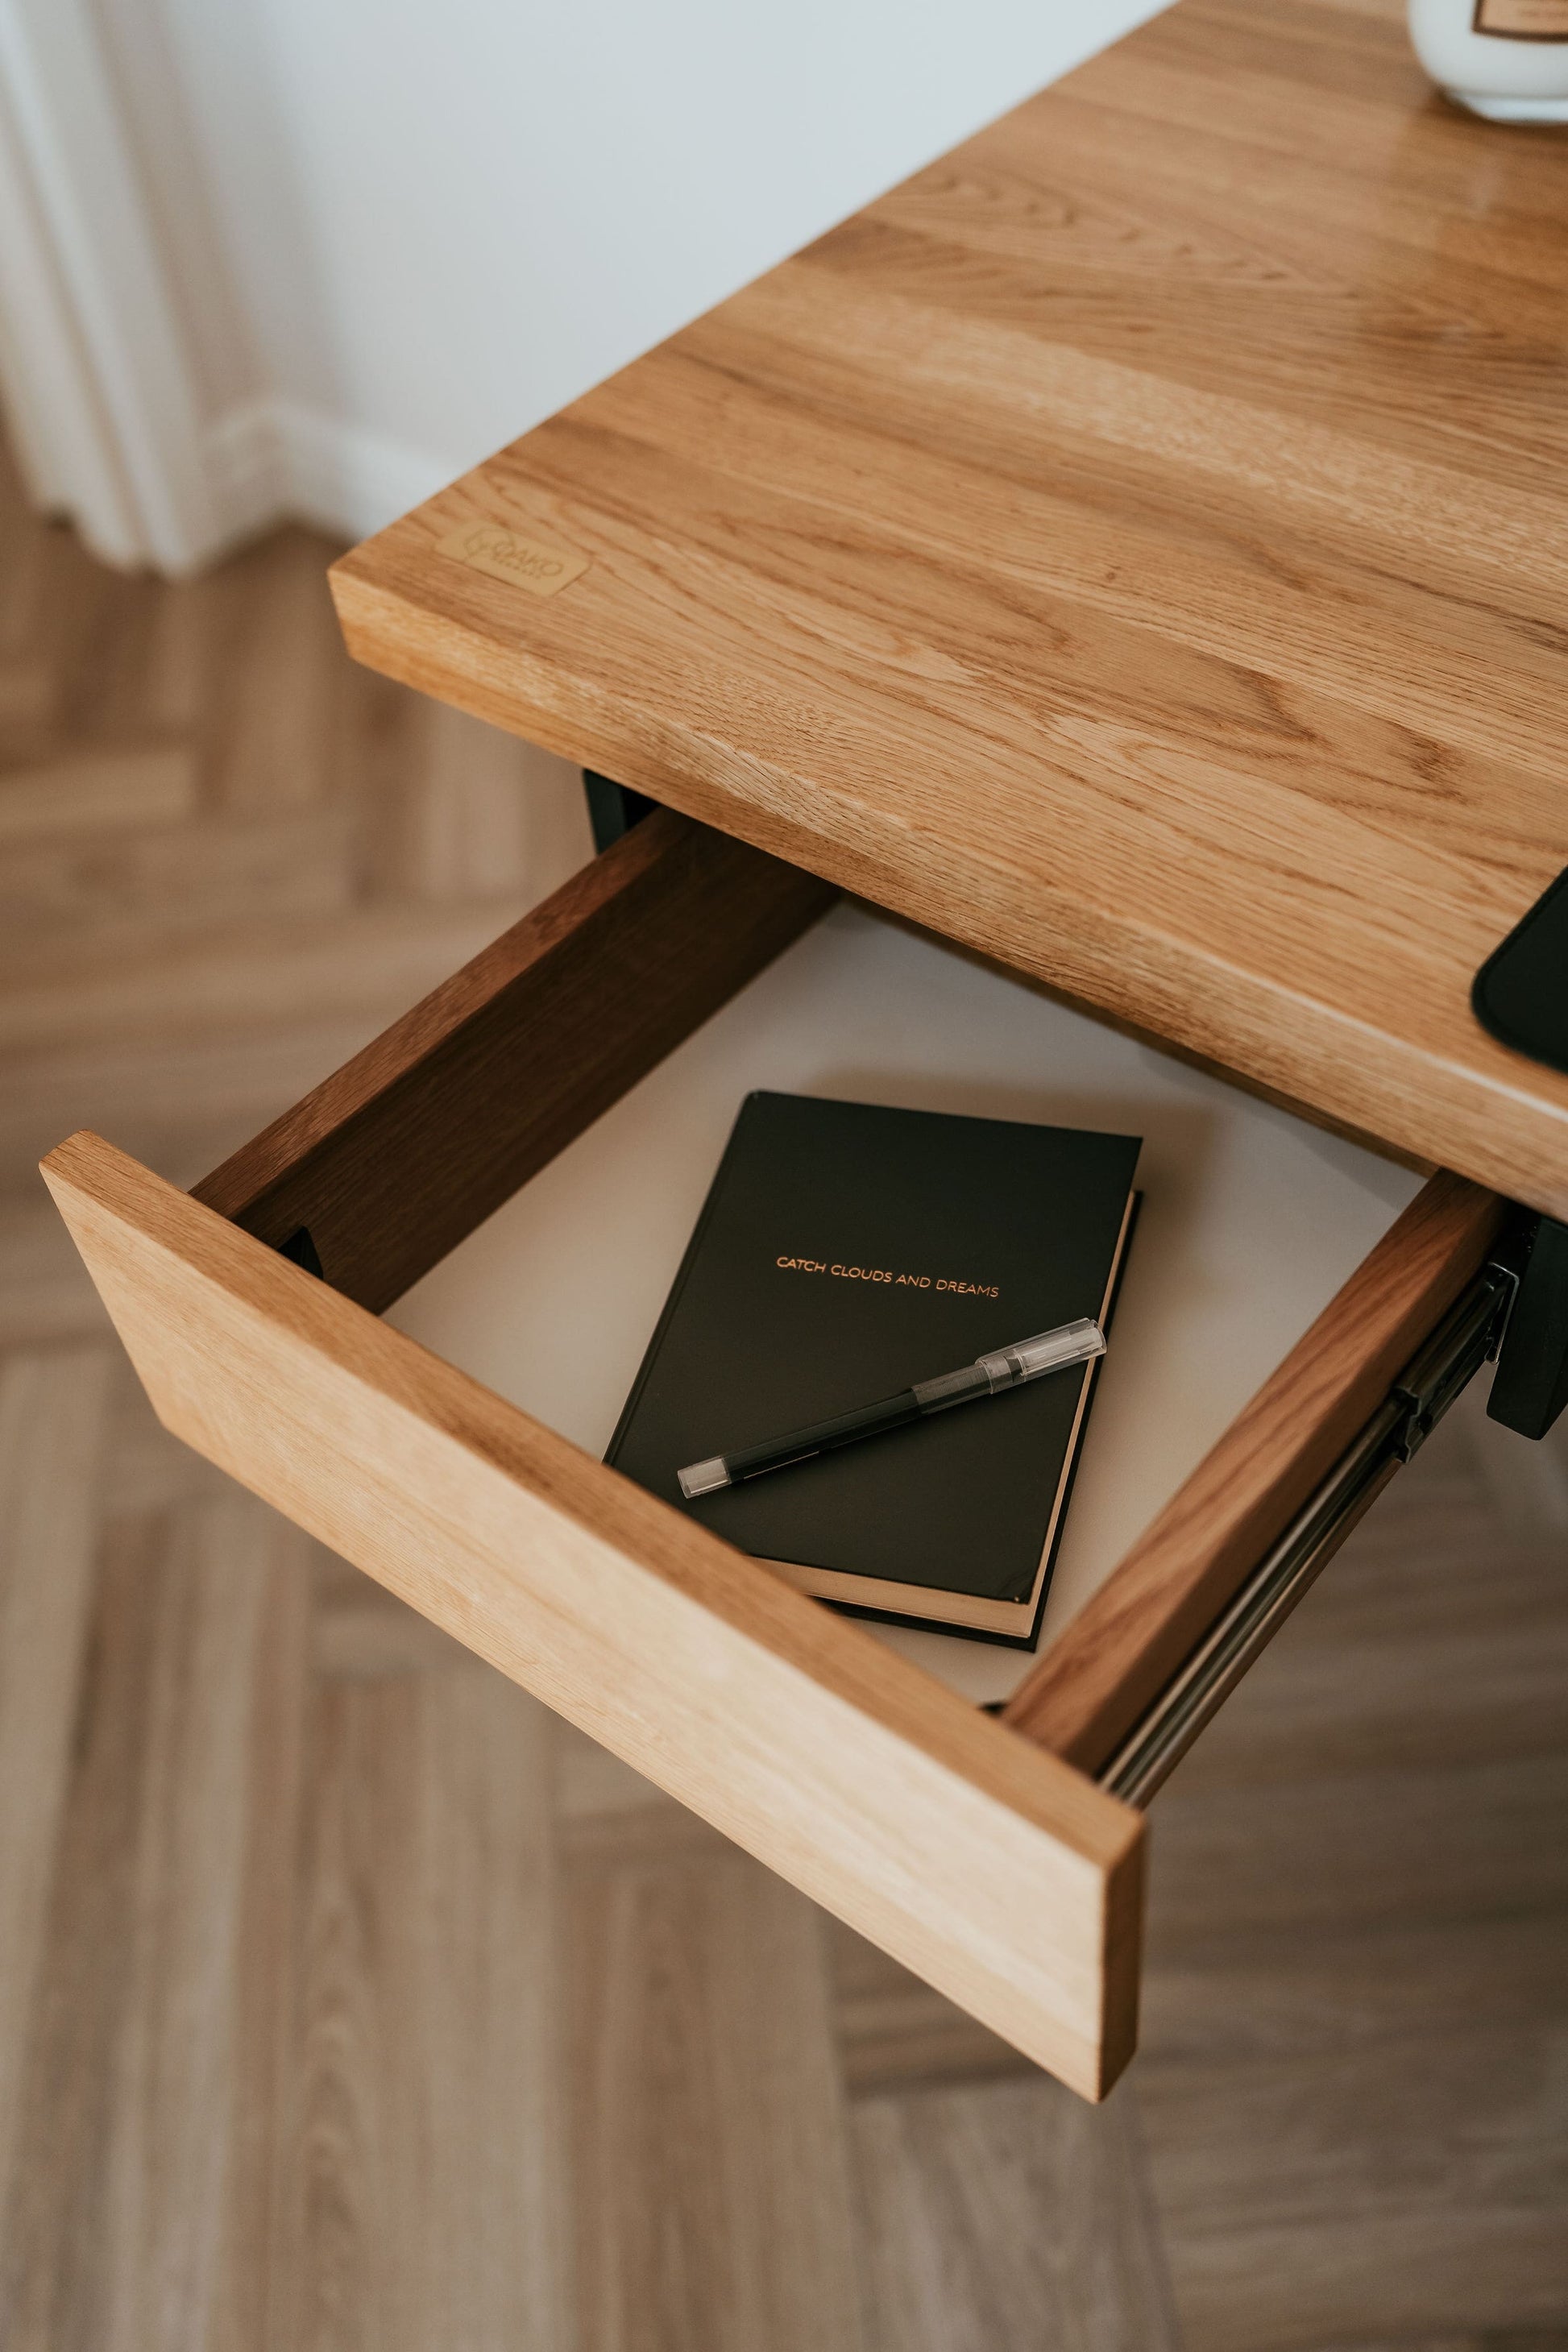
point(519, 1159)
point(1252, 1220)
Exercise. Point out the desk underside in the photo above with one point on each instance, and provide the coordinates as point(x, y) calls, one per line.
point(1135, 547)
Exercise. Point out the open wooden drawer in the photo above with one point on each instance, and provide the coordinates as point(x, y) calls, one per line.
point(990, 1853)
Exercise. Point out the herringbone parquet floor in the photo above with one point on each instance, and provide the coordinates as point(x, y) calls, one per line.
point(347, 1999)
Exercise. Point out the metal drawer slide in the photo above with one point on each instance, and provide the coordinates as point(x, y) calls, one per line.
point(1462, 1343)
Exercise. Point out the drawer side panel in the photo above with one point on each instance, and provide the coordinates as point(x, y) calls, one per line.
point(395, 1157)
point(1113, 1661)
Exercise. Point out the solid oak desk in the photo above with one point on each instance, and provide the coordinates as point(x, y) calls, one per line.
point(1136, 547)
point(1133, 549)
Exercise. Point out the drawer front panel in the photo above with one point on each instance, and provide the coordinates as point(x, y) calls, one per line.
point(992, 1869)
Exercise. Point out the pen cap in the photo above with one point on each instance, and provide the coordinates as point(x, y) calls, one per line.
point(1027, 1359)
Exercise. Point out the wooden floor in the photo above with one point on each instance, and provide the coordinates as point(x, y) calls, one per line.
point(347, 1999)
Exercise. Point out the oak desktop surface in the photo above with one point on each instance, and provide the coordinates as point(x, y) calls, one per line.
point(1135, 546)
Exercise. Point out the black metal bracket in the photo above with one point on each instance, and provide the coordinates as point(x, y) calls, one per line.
point(300, 1250)
point(1469, 1337)
point(612, 809)
point(1531, 1385)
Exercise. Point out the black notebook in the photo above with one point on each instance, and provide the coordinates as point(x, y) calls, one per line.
point(844, 1251)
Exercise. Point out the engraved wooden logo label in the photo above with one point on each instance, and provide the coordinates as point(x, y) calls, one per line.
point(1523, 20)
point(530, 563)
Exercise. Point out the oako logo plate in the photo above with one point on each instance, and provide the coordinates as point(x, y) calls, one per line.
point(530, 563)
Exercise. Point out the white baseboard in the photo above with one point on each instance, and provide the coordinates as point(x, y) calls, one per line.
point(94, 356)
point(273, 460)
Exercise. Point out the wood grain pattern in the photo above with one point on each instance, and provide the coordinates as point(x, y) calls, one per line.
point(1133, 547)
point(1349, 2078)
point(52, 1411)
point(1097, 1678)
point(1355, 2129)
point(391, 1161)
point(138, 2059)
point(992, 1869)
point(731, 2106)
point(1348, 2086)
point(426, 2027)
point(1011, 2215)
point(174, 979)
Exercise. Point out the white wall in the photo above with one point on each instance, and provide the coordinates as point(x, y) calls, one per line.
point(399, 232)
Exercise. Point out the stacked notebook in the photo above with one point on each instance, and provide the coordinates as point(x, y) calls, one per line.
point(845, 1252)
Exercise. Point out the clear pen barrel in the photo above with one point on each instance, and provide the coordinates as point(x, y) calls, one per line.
point(1050, 1352)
